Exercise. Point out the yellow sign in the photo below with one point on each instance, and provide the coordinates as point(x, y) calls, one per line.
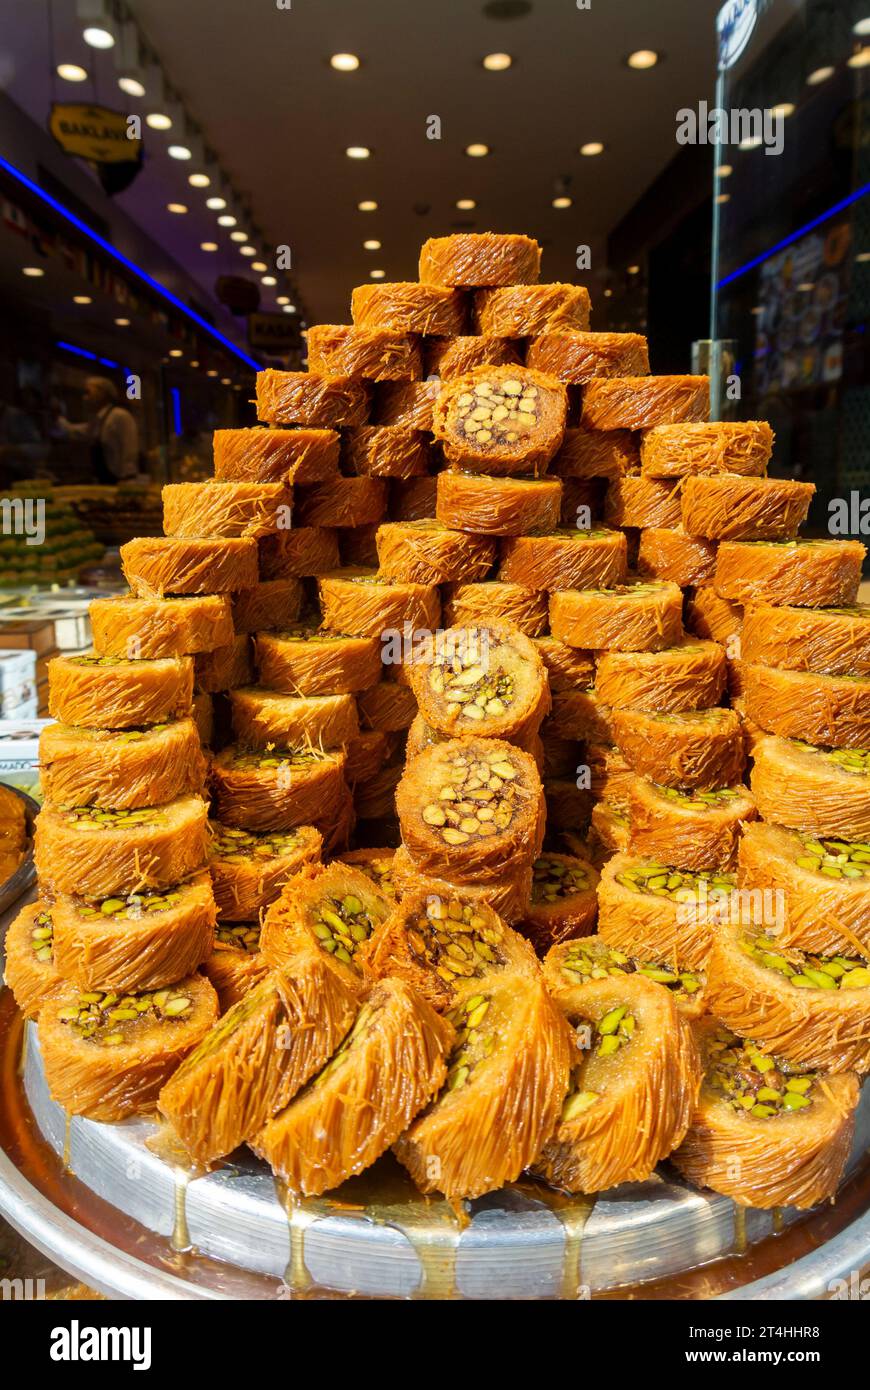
point(93, 132)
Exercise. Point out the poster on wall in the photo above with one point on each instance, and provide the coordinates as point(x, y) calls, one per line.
point(801, 312)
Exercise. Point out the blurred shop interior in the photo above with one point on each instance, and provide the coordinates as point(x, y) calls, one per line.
point(184, 187)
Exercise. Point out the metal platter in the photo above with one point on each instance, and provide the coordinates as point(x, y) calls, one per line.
point(377, 1238)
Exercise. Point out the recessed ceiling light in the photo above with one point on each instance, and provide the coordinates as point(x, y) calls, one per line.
point(259, 265)
point(562, 202)
point(751, 142)
point(33, 272)
point(268, 280)
point(592, 147)
point(371, 245)
point(724, 171)
point(859, 59)
point(819, 75)
point(175, 352)
point(863, 256)
point(71, 72)
point(289, 308)
point(95, 36)
point(377, 274)
point(178, 152)
point(368, 205)
point(497, 62)
point(194, 362)
point(608, 293)
point(466, 204)
point(226, 381)
point(477, 151)
point(344, 62)
point(642, 59)
point(861, 26)
point(123, 323)
point(208, 246)
point(226, 219)
point(238, 236)
point(198, 180)
point(132, 86)
point(248, 249)
point(282, 299)
point(357, 152)
point(82, 299)
point(176, 207)
point(723, 197)
point(211, 372)
point(783, 108)
point(158, 120)
point(215, 203)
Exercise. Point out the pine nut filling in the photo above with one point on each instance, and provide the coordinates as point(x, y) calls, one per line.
point(241, 936)
point(42, 937)
point(497, 413)
point(342, 924)
point(455, 940)
point(753, 1082)
point(805, 971)
point(473, 1043)
point(464, 677)
point(479, 799)
point(582, 964)
point(109, 1019)
point(835, 859)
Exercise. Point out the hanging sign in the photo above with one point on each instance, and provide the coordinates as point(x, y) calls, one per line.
point(102, 137)
point(275, 334)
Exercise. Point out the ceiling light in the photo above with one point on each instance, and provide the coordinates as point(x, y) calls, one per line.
point(861, 26)
point(368, 205)
point(226, 381)
point(608, 293)
point(819, 75)
point(783, 108)
point(756, 309)
point(377, 274)
point(859, 59)
point(215, 203)
point(268, 280)
point(132, 86)
point(497, 62)
point(371, 245)
point(724, 171)
point(863, 256)
point(751, 142)
point(466, 204)
point(592, 147)
point(194, 362)
point(71, 72)
point(199, 180)
point(226, 219)
point(95, 36)
point(634, 270)
point(249, 250)
point(82, 299)
point(176, 207)
point(357, 152)
point(123, 323)
point(33, 272)
point(806, 287)
point(208, 246)
point(723, 197)
point(158, 120)
point(562, 202)
point(642, 59)
point(289, 308)
point(259, 265)
point(476, 151)
point(175, 352)
point(344, 62)
point(238, 236)
point(178, 152)
point(211, 372)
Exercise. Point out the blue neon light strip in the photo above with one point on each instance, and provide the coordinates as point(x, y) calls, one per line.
point(176, 408)
point(794, 236)
point(83, 352)
point(123, 260)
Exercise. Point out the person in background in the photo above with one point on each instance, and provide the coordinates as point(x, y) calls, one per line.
point(111, 431)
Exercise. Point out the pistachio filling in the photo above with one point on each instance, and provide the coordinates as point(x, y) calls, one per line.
point(250, 758)
point(473, 1044)
point(752, 1082)
point(109, 1019)
point(304, 632)
point(582, 963)
point(243, 936)
point(136, 735)
point(464, 673)
point(135, 905)
point(652, 586)
point(807, 971)
point(94, 660)
point(42, 937)
point(455, 940)
point(851, 759)
point(99, 818)
point(365, 1019)
point(553, 880)
point(241, 846)
point(679, 884)
point(380, 871)
point(613, 1031)
point(498, 412)
point(341, 925)
point(478, 798)
point(697, 800)
point(834, 858)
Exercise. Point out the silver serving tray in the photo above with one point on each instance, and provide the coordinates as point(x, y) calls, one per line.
point(25, 875)
point(520, 1243)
